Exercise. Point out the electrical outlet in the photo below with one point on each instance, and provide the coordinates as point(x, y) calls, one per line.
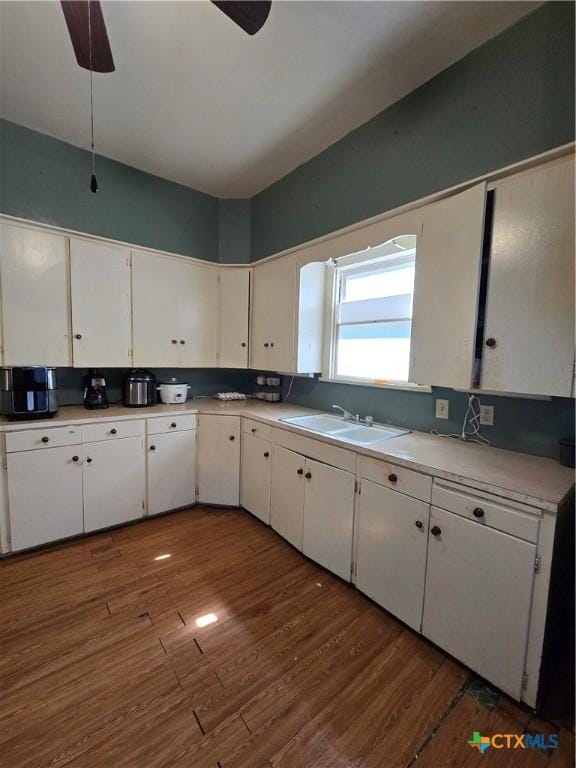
point(487, 415)
point(442, 408)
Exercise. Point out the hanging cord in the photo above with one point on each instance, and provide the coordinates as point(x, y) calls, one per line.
point(93, 180)
point(470, 426)
point(289, 389)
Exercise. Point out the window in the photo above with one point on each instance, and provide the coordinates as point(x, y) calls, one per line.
point(373, 313)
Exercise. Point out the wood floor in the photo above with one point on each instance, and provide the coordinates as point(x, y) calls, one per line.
point(104, 664)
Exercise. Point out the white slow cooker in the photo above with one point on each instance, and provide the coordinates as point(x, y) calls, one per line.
point(173, 391)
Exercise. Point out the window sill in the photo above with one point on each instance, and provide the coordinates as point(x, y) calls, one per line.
point(378, 385)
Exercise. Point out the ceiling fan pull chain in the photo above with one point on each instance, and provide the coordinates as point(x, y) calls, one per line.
point(93, 180)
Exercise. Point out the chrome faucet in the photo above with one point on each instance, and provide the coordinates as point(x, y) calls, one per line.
point(347, 416)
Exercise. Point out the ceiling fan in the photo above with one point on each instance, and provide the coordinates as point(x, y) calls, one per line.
point(87, 30)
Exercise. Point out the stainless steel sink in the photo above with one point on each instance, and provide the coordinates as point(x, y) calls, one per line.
point(345, 430)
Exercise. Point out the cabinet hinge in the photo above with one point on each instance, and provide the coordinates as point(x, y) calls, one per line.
point(537, 563)
point(524, 681)
point(143, 505)
point(4, 462)
point(357, 487)
point(353, 571)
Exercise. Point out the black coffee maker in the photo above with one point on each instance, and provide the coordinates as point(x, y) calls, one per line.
point(95, 391)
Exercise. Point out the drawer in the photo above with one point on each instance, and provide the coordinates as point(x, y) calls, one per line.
point(112, 430)
point(315, 449)
point(51, 437)
point(171, 423)
point(256, 428)
point(406, 481)
point(508, 516)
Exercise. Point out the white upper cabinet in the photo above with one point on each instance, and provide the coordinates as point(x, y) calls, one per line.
point(198, 312)
point(234, 317)
point(446, 287)
point(529, 326)
point(174, 311)
point(155, 310)
point(287, 316)
point(35, 297)
point(101, 304)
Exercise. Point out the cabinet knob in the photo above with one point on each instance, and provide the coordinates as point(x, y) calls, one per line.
point(174, 341)
point(271, 343)
point(419, 524)
point(78, 336)
point(299, 471)
point(231, 438)
point(89, 460)
point(266, 344)
point(182, 341)
point(308, 475)
point(45, 439)
point(173, 425)
point(243, 344)
point(478, 512)
point(113, 431)
point(152, 447)
point(393, 478)
point(435, 531)
point(491, 343)
point(253, 430)
point(266, 455)
point(75, 458)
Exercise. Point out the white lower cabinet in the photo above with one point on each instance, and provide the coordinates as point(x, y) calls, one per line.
point(287, 495)
point(328, 517)
point(219, 460)
point(171, 470)
point(479, 584)
point(114, 474)
point(255, 479)
point(44, 495)
point(391, 541)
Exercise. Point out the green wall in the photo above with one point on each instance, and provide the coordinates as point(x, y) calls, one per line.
point(510, 99)
point(234, 231)
point(47, 180)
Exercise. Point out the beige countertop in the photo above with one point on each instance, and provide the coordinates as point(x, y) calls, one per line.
point(530, 479)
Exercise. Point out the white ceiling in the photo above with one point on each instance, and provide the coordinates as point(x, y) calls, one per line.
point(196, 100)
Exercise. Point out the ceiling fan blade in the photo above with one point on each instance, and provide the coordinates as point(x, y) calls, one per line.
point(248, 14)
point(76, 15)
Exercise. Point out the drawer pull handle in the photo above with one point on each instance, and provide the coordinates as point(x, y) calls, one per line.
point(299, 471)
point(419, 524)
point(174, 341)
point(231, 438)
point(393, 478)
point(113, 431)
point(435, 531)
point(308, 475)
point(75, 458)
point(45, 439)
point(173, 425)
point(182, 341)
point(152, 447)
point(478, 512)
point(266, 455)
point(89, 460)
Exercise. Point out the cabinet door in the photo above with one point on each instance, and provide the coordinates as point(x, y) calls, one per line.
point(114, 482)
point(35, 297)
point(446, 286)
point(392, 536)
point(255, 486)
point(273, 315)
point(328, 517)
point(234, 310)
point(171, 471)
point(477, 599)
point(155, 293)
point(101, 304)
point(44, 495)
point(219, 460)
point(287, 495)
point(198, 316)
point(530, 300)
